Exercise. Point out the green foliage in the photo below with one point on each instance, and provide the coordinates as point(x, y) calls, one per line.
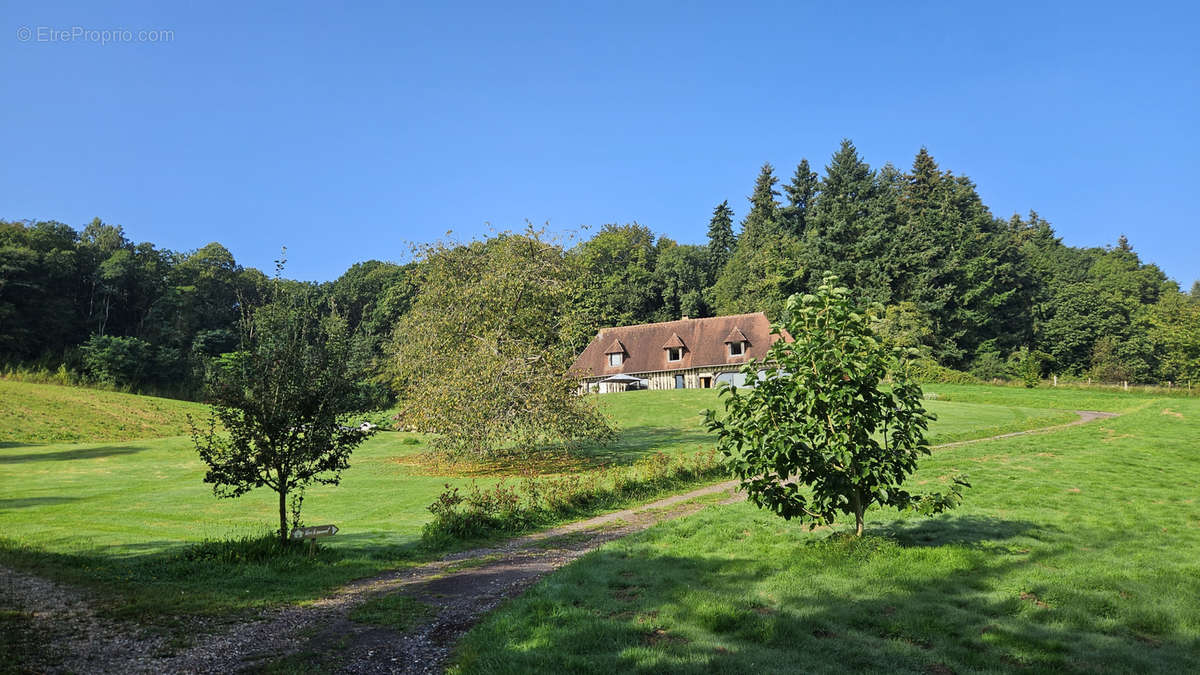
point(481, 359)
point(282, 400)
point(721, 240)
point(1029, 364)
point(928, 371)
point(119, 361)
point(821, 419)
point(541, 501)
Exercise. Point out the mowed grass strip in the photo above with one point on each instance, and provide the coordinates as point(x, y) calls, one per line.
point(47, 413)
point(1077, 551)
point(120, 517)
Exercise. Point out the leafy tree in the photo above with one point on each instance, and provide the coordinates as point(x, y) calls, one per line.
point(1173, 330)
point(821, 418)
point(617, 282)
point(681, 273)
point(282, 400)
point(721, 241)
point(481, 358)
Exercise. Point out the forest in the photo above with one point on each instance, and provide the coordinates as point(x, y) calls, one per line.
point(992, 297)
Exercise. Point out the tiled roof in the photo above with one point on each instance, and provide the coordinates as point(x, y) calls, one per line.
point(705, 343)
point(675, 341)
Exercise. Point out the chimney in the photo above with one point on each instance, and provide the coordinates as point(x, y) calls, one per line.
point(685, 317)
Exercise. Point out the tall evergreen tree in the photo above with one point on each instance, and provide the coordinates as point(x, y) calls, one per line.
point(763, 218)
point(721, 240)
point(848, 227)
point(801, 193)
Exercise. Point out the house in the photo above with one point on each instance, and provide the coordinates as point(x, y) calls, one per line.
point(684, 354)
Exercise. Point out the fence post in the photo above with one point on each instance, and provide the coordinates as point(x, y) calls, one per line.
point(1056, 380)
point(1126, 385)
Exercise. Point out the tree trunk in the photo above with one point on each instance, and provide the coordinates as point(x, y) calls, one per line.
point(283, 533)
point(857, 503)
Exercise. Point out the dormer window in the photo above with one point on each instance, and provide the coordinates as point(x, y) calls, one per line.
point(675, 348)
point(615, 358)
point(737, 342)
point(616, 353)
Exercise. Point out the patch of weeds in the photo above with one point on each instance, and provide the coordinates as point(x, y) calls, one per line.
point(398, 612)
point(538, 501)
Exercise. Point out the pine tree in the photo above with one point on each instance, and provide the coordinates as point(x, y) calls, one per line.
point(847, 229)
point(1195, 294)
point(800, 193)
point(721, 240)
point(763, 218)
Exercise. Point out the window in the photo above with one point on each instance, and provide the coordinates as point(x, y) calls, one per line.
point(615, 359)
point(679, 382)
point(737, 348)
point(674, 353)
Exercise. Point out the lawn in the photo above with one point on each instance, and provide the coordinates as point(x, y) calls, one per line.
point(120, 516)
point(47, 413)
point(1076, 551)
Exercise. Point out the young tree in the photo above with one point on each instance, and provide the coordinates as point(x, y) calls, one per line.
point(820, 417)
point(283, 400)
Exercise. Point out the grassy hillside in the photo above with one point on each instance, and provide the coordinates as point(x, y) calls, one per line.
point(1077, 551)
point(48, 413)
point(118, 515)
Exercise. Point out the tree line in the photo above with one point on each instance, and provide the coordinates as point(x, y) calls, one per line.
point(972, 291)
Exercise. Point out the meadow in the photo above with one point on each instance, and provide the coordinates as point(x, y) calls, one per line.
point(124, 517)
point(1075, 551)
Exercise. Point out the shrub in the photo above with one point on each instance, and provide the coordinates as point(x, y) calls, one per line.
point(927, 371)
point(535, 501)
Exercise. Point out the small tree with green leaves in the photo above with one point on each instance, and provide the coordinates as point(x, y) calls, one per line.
point(280, 404)
point(820, 433)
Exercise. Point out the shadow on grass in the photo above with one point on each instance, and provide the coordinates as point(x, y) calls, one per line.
point(957, 530)
point(29, 502)
point(69, 455)
point(634, 443)
point(154, 580)
point(842, 605)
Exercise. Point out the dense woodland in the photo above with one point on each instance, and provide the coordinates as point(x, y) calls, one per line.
point(972, 291)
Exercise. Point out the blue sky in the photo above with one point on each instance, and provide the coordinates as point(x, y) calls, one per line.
point(346, 132)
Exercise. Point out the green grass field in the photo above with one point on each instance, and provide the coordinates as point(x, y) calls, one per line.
point(46, 413)
point(119, 516)
point(1075, 551)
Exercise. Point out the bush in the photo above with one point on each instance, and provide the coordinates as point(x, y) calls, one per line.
point(990, 366)
point(118, 361)
point(927, 371)
point(534, 501)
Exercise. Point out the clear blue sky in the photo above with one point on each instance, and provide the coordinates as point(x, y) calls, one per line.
point(344, 133)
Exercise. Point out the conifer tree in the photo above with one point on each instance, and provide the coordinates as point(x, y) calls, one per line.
point(847, 228)
point(763, 218)
point(800, 193)
point(721, 240)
